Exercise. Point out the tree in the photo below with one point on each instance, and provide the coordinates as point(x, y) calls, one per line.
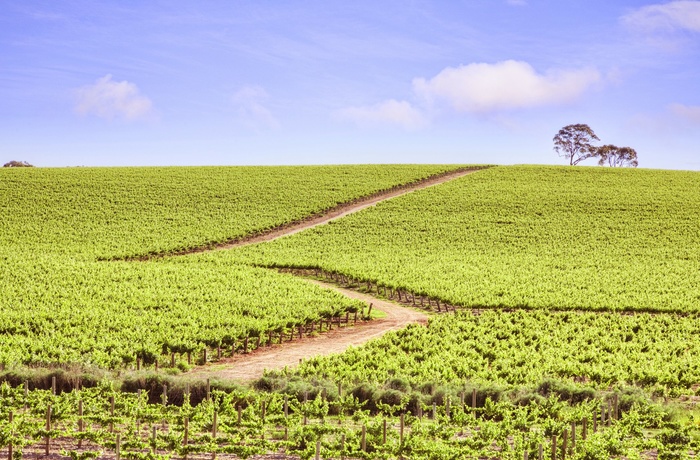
point(17, 164)
point(574, 142)
point(617, 156)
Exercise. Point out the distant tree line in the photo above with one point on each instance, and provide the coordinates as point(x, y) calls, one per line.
point(575, 143)
point(17, 164)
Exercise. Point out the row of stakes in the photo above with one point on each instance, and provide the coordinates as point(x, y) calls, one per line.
point(568, 441)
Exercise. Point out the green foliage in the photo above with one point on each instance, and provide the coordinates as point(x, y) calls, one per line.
point(521, 237)
point(59, 304)
point(550, 348)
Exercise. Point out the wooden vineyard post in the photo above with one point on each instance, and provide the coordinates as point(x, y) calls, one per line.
point(26, 393)
point(257, 343)
point(363, 439)
point(204, 356)
point(401, 427)
point(595, 420)
point(48, 428)
point(540, 453)
point(245, 345)
point(434, 413)
point(354, 321)
point(81, 422)
point(240, 413)
point(447, 407)
point(616, 404)
point(554, 447)
point(584, 428)
point(208, 389)
point(154, 439)
point(369, 312)
point(155, 365)
point(262, 411)
point(172, 359)
point(53, 385)
point(10, 417)
point(138, 363)
point(384, 432)
point(164, 396)
point(118, 447)
point(564, 443)
point(269, 338)
point(573, 436)
point(318, 450)
point(342, 447)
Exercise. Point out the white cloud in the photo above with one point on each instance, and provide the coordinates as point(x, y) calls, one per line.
point(252, 112)
point(393, 112)
point(687, 112)
point(666, 17)
point(485, 88)
point(110, 99)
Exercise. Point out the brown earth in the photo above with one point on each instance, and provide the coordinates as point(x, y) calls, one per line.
point(249, 367)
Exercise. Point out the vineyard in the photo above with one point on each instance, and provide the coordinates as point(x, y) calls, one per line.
point(521, 237)
point(101, 422)
point(564, 308)
point(108, 213)
point(60, 304)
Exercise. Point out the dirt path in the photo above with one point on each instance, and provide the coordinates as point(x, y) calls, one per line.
point(249, 367)
point(337, 212)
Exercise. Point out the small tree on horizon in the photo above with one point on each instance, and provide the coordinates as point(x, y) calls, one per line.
point(616, 156)
point(17, 164)
point(574, 142)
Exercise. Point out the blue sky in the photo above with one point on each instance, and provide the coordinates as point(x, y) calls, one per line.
point(317, 82)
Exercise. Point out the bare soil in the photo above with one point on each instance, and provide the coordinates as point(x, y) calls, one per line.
point(245, 368)
point(314, 220)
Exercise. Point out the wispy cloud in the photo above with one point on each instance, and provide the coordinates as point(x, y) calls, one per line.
point(113, 100)
point(486, 88)
point(390, 112)
point(252, 112)
point(686, 112)
point(665, 17)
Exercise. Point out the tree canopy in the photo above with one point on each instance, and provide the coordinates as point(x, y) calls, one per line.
point(574, 142)
point(17, 164)
point(613, 155)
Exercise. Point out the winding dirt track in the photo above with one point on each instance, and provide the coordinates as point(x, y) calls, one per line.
point(314, 220)
point(250, 367)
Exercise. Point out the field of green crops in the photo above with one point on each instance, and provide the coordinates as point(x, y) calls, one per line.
point(522, 237)
point(587, 282)
point(526, 347)
point(60, 304)
point(120, 212)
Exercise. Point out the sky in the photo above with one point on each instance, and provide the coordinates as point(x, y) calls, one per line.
point(119, 83)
